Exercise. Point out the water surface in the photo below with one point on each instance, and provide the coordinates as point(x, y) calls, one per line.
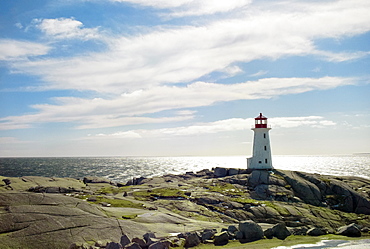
point(121, 169)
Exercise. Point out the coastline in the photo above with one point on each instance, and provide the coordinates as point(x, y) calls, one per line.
point(301, 241)
point(122, 169)
point(208, 199)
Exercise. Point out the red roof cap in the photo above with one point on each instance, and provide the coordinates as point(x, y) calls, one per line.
point(261, 117)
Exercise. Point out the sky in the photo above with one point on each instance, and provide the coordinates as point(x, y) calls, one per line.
point(184, 77)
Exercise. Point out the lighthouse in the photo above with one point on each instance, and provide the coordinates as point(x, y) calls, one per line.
point(261, 158)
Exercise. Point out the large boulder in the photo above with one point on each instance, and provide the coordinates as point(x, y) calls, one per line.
point(239, 235)
point(94, 179)
point(139, 241)
point(125, 240)
point(136, 181)
point(148, 236)
point(269, 233)
point(192, 239)
point(233, 172)
point(349, 200)
point(232, 229)
point(279, 231)
point(322, 190)
point(208, 234)
point(304, 189)
point(221, 239)
point(349, 230)
point(220, 172)
point(258, 177)
point(250, 230)
point(316, 231)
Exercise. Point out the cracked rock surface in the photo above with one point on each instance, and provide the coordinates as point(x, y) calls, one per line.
point(35, 220)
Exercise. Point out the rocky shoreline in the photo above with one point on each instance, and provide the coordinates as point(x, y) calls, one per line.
point(211, 206)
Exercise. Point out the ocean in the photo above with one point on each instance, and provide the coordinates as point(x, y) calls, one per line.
point(121, 169)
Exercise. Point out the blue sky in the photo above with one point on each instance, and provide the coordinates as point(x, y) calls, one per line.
point(185, 77)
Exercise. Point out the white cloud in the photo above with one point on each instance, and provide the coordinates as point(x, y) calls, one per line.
point(18, 25)
point(185, 112)
point(232, 70)
point(121, 134)
point(259, 73)
point(85, 119)
point(129, 109)
point(326, 123)
point(234, 124)
point(184, 54)
point(312, 121)
point(227, 125)
point(15, 50)
point(343, 56)
point(66, 28)
point(180, 8)
point(103, 121)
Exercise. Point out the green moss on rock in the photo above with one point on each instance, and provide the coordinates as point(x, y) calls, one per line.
point(117, 202)
point(159, 193)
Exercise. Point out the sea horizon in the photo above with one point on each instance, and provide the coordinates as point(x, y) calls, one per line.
point(123, 168)
point(95, 156)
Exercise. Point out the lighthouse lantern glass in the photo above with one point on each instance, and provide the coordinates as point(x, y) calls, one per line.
point(261, 121)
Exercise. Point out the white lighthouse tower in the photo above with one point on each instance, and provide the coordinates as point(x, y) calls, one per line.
point(261, 158)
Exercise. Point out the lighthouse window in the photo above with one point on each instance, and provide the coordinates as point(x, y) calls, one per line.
point(259, 161)
point(265, 148)
point(264, 135)
point(266, 160)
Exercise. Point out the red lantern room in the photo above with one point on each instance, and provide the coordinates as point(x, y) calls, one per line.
point(260, 121)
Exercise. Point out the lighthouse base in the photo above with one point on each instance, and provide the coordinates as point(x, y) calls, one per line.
point(252, 163)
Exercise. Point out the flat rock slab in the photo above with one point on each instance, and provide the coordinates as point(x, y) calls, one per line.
point(41, 220)
point(33, 220)
point(26, 182)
